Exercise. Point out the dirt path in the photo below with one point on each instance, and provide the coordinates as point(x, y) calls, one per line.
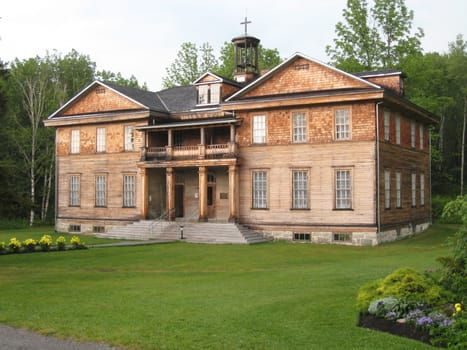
point(19, 339)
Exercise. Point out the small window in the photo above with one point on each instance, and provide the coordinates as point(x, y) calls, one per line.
point(259, 129)
point(300, 236)
point(398, 129)
point(412, 134)
point(98, 229)
point(414, 189)
point(342, 121)
point(342, 237)
point(74, 228)
point(129, 138)
point(100, 140)
point(398, 190)
point(300, 189)
point(421, 132)
point(260, 185)
point(299, 130)
point(387, 124)
point(75, 140)
point(422, 189)
point(129, 191)
point(387, 189)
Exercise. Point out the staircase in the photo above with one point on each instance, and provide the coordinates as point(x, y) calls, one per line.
point(193, 232)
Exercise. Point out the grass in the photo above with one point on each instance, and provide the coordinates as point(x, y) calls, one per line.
point(37, 232)
point(189, 296)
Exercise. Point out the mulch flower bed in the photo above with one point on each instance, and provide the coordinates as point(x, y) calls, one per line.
point(401, 329)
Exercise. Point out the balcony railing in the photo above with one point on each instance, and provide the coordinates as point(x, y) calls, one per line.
point(223, 150)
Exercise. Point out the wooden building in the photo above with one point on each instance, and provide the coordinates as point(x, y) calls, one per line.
point(303, 152)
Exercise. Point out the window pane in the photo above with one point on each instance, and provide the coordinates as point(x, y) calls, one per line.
point(422, 189)
point(398, 129)
point(259, 190)
point(387, 189)
point(75, 141)
point(299, 127)
point(414, 190)
point(398, 190)
point(387, 121)
point(215, 93)
point(343, 189)
point(300, 189)
point(129, 138)
point(74, 190)
point(128, 190)
point(100, 140)
point(421, 136)
point(100, 191)
point(342, 124)
point(259, 129)
point(412, 134)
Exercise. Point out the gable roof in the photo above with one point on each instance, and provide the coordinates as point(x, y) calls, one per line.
point(178, 99)
point(286, 63)
point(146, 99)
point(219, 78)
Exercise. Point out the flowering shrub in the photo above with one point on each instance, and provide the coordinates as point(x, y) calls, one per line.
point(14, 244)
point(2, 247)
point(60, 242)
point(76, 243)
point(30, 244)
point(45, 242)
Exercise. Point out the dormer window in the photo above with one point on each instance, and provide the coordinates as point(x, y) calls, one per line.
point(209, 94)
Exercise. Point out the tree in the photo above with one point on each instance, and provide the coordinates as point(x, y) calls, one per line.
point(117, 78)
point(190, 63)
point(374, 38)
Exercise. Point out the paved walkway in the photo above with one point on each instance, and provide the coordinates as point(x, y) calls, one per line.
point(130, 243)
point(19, 339)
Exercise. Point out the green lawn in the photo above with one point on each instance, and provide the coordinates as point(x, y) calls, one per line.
point(189, 296)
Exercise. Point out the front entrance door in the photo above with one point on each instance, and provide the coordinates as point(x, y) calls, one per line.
point(211, 201)
point(179, 190)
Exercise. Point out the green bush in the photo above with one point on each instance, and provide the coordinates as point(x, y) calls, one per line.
point(437, 206)
point(405, 284)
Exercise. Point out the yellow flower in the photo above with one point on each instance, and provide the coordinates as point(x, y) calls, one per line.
point(458, 307)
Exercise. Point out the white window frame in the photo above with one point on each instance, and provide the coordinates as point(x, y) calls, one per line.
point(387, 189)
point(259, 188)
point(75, 142)
point(259, 129)
point(100, 140)
point(412, 133)
point(421, 132)
point(300, 192)
point(129, 191)
point(299, 127)
point(414, 189)
point(215, 93)
point(387, 124)
point(398, 190)
point(74, 188)
point(398, 129)
point(100, 191)
point(204, 94)
point(343, 188)
point(422, 189)
point(129, 138)
point(342, 124)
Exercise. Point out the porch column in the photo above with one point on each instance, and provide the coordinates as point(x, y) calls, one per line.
point(170, 184)
point(203, 193)
point(169, 147)
point(144, 195)
point(232, 145)
point(233, 215)
point(202, 146)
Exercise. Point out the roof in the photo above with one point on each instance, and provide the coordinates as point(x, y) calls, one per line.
point(179, 99)
point(219, 78)
point(378, 73)
point(191, 123)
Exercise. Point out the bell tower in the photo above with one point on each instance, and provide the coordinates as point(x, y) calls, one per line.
point(245, 56)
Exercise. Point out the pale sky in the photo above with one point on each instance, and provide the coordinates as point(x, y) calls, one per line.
point(142, 37)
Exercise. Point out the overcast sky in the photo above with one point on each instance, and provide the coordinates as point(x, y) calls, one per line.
point(142, 37)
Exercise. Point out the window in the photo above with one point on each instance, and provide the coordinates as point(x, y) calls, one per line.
point(75, 141)
point(300, 189)
point(298, 236)
point(259, 129)
point(100, 140)
point(412, 134)
point(203, 94)
point(98, 229)
point(215, 93)
point(260, 190)
point(74, 228)
point(414, 190)
point(129, 138)
point(398, 129)
point(421, 131)
point(101, 191)
point(422, 189)
point(74, 190)
point(342, 120)
point(342, 237)
point(129, 190)
point(398, 190)
point(299, 133)
point(209, 94)
point(387, 124)
point(343, 189)
point(387, 189)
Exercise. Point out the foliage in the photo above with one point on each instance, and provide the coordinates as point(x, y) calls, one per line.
point(374, 38)
point(45, 242)
point(438, 202)
point(76, 243)
point(30, 244)
point(61, 243)
point(117, 78)
point(2, 247)
point(14, 244)
point(403, 283)
point(453, 337)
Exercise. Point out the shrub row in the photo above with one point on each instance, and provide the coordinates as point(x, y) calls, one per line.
point(44, 244)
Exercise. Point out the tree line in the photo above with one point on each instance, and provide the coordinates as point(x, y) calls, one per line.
point(371, 36)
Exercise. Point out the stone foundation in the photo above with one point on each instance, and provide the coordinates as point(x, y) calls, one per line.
point(87, 226)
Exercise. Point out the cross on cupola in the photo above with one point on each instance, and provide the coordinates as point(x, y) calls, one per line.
point(246, 22)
